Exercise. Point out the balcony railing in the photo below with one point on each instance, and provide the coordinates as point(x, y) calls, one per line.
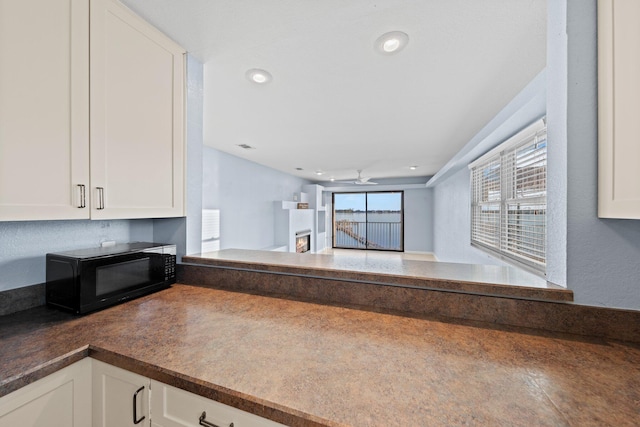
point(368, 235)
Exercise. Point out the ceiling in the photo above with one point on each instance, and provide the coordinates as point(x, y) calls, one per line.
point(335, 104)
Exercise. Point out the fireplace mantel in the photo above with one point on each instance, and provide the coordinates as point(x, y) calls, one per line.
point(289, 221)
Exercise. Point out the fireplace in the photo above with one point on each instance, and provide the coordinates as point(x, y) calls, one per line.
point(303, 241)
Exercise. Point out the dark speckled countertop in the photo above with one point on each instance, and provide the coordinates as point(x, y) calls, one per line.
point(305, 364)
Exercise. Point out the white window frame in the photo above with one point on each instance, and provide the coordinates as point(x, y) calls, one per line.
point(508, 199)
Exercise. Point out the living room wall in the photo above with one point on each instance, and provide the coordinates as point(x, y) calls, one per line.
point(245, 193)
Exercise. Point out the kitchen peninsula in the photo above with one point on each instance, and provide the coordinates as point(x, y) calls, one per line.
point(306, 364)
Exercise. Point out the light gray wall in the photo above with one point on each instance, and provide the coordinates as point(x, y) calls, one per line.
point(418, 220)
point(23, 245)
point(245, 193)
point(557, 142)
point(195, 96)
point(603, 255)
point(452, 222)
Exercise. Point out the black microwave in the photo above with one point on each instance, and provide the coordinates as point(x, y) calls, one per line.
point(91, 279)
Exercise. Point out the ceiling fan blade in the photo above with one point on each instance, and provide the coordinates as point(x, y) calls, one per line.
point(360, 180)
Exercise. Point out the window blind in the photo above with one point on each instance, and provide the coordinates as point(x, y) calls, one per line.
point(509, 199)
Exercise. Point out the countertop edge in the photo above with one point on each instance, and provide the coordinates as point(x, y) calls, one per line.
point(44, 369)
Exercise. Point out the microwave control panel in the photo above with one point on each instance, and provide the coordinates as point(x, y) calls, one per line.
point(170, 268)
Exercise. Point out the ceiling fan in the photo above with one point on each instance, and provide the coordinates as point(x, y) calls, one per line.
point(361, 180)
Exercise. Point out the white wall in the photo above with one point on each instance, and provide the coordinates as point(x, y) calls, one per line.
point(245, 193)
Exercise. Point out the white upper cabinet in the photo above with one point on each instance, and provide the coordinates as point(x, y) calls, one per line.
point(44, 117)
point(91, 113)
point(618, 108)
point(137, 115)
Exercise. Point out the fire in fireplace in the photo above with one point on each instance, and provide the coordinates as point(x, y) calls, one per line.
point(303, 241)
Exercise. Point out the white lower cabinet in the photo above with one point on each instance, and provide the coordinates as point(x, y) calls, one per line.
point(62, 399)
point(120, 397)
point(172, 407)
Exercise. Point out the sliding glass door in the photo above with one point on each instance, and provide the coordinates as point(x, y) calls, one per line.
point(369, 220)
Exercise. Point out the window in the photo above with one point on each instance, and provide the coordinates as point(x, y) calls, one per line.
point(509, 198)
point(368, 220)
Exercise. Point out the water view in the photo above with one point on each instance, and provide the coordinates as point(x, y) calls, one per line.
point(368, 220)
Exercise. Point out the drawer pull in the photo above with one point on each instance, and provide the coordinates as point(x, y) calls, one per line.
point(100, 198)
point(135, 407)
point(83, 197)
point(205, 423)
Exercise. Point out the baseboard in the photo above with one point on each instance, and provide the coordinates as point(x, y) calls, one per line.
point(422, 253)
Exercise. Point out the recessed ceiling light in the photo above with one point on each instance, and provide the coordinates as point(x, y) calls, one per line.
point(391, 42)
point(332, 179)
point(259, 76)
point(319, 173)
point(413, 168)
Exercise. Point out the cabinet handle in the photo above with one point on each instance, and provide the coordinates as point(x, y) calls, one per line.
point(205, 423)
point(135, 407)
point(100, 198)
point(83, 196)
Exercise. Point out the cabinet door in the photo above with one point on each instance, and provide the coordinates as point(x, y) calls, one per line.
point(44, 121)
point(173, 407)
point(120, 398)
point(137, 109)
point(61, 399)
point(618, 106)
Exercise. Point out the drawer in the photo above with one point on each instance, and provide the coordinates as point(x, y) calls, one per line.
point(173, 407)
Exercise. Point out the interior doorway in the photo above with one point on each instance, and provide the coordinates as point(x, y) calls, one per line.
point(371, 220)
